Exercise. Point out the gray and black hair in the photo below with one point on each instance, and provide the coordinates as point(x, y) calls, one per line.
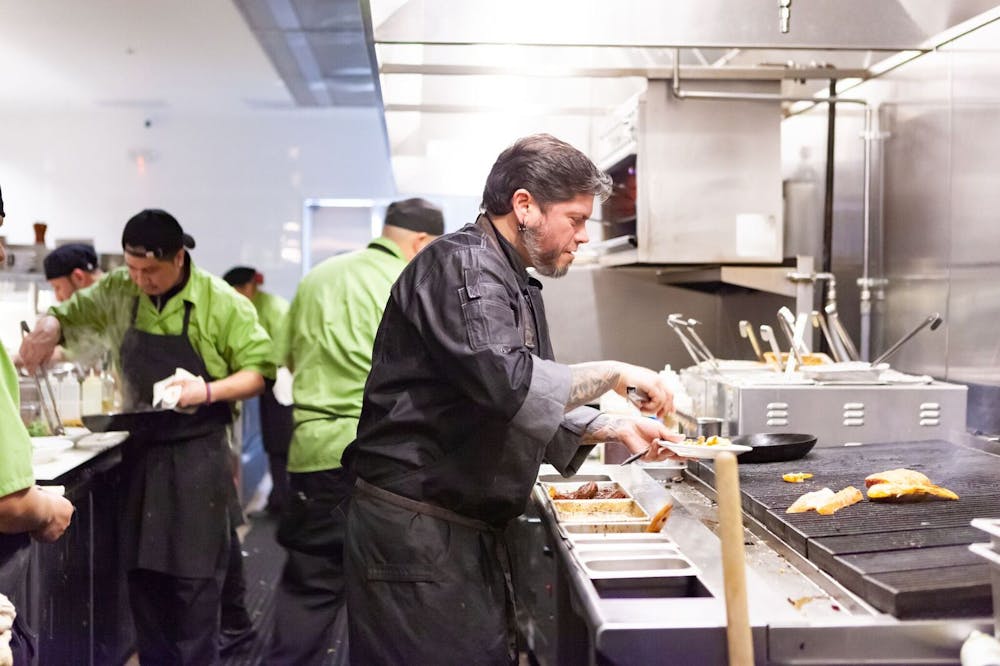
point(550, 169)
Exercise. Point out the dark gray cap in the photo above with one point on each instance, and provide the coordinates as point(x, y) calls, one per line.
point(416, 215)
point(65, 259)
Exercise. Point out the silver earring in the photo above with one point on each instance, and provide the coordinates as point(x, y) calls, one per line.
point(521, 226)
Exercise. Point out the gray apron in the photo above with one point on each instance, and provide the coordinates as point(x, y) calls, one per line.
point(180, 499)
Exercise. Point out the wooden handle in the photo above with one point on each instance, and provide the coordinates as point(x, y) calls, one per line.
point(727, 486)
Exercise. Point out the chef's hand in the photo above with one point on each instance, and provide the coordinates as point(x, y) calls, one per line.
point(658, 398)
point(37, 346)
point(60, 514)
point(193, 392)
point(637, 434)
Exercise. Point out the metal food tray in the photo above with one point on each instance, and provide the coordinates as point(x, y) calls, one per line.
point(563, 487)
point(604, 510)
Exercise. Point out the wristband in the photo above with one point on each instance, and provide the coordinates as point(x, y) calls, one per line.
point(208, 393)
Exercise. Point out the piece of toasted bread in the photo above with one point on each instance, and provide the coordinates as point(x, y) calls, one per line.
point(898, 492)
point(846, 497)
point(900, 476)
point(810, 501)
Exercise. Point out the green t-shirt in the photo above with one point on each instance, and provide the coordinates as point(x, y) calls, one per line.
point(15, 445)
point(331, 331)
point(272, 311)
point(224, 329)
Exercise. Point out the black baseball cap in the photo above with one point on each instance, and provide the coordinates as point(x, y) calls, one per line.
point(154, 233)
point(239, 275)
point(416, 215)
point(65, 259)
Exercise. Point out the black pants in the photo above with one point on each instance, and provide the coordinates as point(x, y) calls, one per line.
point(235, 617)
point(276, 427)
point(309, 611)
point(176, 619)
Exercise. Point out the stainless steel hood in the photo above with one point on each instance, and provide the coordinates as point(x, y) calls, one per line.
point(882, 25)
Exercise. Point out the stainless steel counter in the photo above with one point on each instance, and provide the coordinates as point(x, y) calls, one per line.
point(799, 615)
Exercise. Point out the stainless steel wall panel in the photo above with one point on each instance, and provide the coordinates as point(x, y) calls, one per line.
point(940, 197)
point(973, 351)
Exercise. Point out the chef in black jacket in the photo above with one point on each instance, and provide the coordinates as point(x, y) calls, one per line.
point(463, 404)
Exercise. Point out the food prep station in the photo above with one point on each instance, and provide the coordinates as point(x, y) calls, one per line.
point(874, 583)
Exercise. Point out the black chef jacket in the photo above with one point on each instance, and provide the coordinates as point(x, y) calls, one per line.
point(464, 400)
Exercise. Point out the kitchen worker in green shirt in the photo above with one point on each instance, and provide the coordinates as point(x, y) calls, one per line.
point(330, 334)
point(275, 418)
point(161, 313)
point(26, 511)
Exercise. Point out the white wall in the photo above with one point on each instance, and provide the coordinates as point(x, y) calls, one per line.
point(233, 181)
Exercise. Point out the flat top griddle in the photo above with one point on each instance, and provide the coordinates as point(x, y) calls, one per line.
point(909, 560)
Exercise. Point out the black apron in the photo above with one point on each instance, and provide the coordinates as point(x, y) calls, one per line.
point(180, 499)
point(15, 555)
point(476, 573)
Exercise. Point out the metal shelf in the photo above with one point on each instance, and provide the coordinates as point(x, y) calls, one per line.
point(771, 279)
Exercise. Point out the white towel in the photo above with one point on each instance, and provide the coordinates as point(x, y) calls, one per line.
point(167, 397)
point(7, 615)
point(283, 386)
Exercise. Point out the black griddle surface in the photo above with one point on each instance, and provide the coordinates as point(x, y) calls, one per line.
point(909, 560)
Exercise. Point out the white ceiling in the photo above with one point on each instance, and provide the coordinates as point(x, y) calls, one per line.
point(181, 55)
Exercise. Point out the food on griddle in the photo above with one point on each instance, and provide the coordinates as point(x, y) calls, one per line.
point(904, 485)
point(587, 491)
point(846, 497)
point(825, 501)
point(810, 501)
point(660, 519)
point(796, 477)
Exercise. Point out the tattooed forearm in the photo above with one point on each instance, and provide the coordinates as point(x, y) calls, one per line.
point(602, 429)
point(590, 381)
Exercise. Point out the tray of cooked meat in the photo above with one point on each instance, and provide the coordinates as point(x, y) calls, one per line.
point(595, 503)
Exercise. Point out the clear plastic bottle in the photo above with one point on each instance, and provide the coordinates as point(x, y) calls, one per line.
point(109, 387)
point(69, 399)
point(91, 392)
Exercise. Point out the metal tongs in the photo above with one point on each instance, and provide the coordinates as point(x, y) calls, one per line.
point(50, 411)
point(933, 321)
point(695, 346)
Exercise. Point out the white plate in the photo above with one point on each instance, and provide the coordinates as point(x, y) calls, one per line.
point(100, 440)
point(695, 451)
point(47, 449)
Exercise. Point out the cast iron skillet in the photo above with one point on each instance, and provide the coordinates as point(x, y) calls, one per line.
point(138, 421)
point(774, 447)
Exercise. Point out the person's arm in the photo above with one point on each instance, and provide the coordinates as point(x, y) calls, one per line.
point(37, 346)
point(240, 385)
point(589, 381)
point(45, 515)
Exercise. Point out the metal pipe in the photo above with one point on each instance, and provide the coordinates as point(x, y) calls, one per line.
point(865, 296)
point(826, 265)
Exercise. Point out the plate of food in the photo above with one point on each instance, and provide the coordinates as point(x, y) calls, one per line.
point(47, 449)
point(704, 447)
